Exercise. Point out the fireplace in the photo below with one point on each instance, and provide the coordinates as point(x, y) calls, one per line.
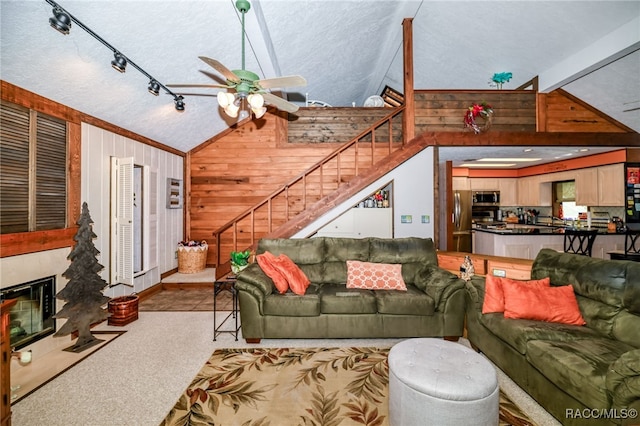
point(31, 318)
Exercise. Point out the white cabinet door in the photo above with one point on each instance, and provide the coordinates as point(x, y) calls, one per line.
point(360, 223)
point(373, 223)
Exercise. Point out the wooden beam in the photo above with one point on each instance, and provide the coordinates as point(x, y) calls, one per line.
point(525, 139)
point(31, 242)
point(409, 118)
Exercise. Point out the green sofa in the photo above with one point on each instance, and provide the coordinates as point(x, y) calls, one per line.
point(582, 375)
point(433, 304)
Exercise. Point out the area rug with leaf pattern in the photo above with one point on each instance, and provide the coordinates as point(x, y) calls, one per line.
point(301, 386)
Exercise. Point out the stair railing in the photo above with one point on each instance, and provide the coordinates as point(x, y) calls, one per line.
point(246, 235)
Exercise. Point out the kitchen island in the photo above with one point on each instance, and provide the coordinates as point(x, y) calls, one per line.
point(525, 242)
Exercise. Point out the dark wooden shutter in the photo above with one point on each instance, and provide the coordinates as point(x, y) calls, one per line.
point(33, 170)
point(51, 182)
point(14, 168)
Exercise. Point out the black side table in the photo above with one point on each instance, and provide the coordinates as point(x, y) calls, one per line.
point(226, 284)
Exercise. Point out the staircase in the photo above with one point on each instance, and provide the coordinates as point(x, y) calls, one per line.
point(306, 197)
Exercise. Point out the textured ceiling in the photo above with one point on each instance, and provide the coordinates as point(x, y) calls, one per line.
point(347, 51)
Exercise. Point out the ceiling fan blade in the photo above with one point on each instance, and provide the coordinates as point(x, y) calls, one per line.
point(632, 109)
point(279, 103)
point(226, 72)
point(287, 81)
point(216, 86)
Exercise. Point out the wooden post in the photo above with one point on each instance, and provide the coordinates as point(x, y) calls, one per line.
point(409, 116)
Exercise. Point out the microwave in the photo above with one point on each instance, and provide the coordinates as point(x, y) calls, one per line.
point(485, 198)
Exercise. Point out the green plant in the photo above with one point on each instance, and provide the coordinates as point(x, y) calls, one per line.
point(239, 260)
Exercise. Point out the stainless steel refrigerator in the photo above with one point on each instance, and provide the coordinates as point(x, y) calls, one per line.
point(461, 221)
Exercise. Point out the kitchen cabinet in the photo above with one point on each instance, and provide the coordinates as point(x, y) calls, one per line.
point(483, 184)
point(533, 191)
point(360, 223)
point(460, 183)
point(508, 191)
point(587, 187)
point(611, 181)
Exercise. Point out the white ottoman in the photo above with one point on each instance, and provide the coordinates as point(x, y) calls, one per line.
point(437, 382)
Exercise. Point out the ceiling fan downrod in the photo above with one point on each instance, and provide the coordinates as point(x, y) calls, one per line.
point(243, 7)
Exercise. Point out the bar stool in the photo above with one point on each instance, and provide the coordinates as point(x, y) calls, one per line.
point(579, 241)
point(631, 247)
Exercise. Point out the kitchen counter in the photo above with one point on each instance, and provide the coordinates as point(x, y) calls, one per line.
point(537, 230)
point(526, 241)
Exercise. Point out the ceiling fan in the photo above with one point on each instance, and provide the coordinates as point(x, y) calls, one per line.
point(251, 92)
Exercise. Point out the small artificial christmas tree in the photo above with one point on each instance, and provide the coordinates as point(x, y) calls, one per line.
point(83, 293)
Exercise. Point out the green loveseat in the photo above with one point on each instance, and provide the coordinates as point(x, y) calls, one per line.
point(582, 375)
point(432, 306)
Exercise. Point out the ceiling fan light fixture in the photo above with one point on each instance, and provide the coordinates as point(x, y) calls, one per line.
point(179, 101)
point(255, 100)
point(154, 88)
point(225, 99)
point(259, 112)
point(119, 62)
point(61, 21)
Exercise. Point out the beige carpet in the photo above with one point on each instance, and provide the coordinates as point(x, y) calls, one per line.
point(137, 379)
point(284, 386)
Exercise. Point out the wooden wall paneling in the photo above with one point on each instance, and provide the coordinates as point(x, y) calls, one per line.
point(566, 113)
point(439, 111)
point(409, 119)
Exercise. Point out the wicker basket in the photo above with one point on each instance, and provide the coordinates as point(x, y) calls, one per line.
point(192, 259)
point(123, 310)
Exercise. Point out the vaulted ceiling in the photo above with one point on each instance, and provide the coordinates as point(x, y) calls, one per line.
point(347, 51)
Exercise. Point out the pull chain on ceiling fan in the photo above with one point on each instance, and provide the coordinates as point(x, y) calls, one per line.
point(250, 91)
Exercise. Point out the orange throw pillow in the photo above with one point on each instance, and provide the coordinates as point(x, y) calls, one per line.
point(551, 304)
point(375, 276)
point(267, 262)
point(494, 295)
point(296, 278)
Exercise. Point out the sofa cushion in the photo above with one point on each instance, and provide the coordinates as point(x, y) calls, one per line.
point(374, 276)
point(552, 304)
point(494, 293)
point(338, 251)
point(412, 302)
point(293, 305)
point(517, 332)
point(579, 367)
point(412, 252)
point(337, 299)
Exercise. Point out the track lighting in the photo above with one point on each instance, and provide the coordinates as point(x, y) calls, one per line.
point(179, 101)
point(61, 21)
point(119, 62)
point(154, 88)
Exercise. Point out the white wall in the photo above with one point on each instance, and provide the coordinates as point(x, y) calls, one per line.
point(98, 146)
point(413, 186)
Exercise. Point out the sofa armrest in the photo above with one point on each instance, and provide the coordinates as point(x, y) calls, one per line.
point(252, 277)
point(438, 283)
point(475, 291)
point(623, 379)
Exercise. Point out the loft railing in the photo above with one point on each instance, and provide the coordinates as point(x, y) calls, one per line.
point(295, 196)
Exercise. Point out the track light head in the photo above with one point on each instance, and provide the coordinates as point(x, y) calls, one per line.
point(154, 87)
point(61, 21)
point(119, 62)
point(179, 101)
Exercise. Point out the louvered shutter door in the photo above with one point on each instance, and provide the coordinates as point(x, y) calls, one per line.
point(14, 168)
point(122, 220)
point(50, 185)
